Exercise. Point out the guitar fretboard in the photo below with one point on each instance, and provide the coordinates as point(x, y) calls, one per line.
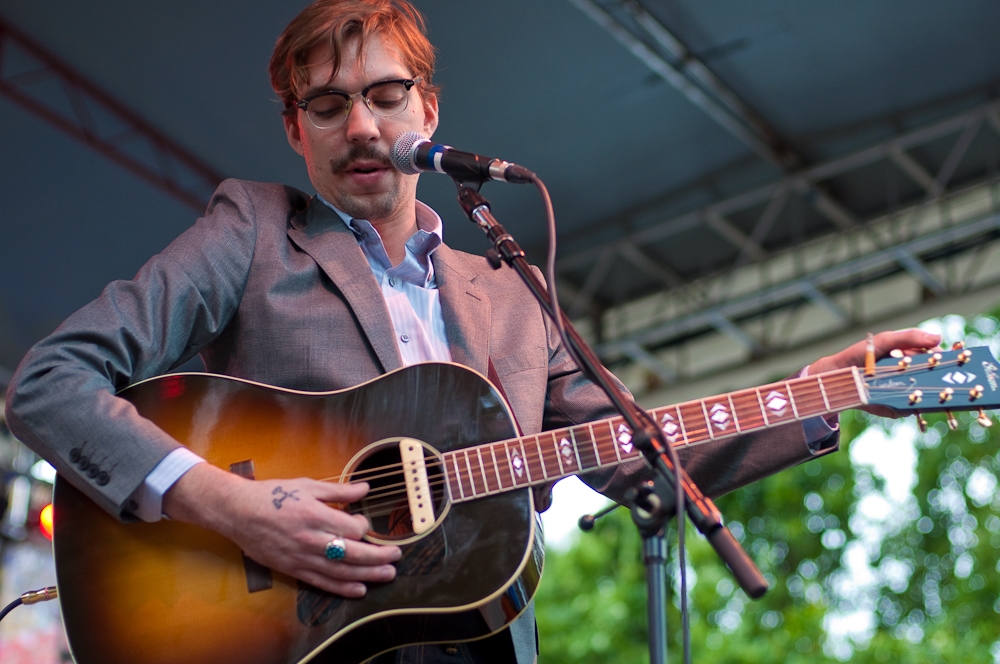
point(493, 468)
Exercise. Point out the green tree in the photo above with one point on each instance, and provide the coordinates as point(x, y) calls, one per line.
point(855, 573)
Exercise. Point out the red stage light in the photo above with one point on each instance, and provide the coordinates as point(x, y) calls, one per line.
point(45, 521)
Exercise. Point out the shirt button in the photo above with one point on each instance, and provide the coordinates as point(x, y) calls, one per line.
point(405, 338)
point(392, 282)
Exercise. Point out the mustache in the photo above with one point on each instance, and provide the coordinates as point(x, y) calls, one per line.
point(357, 152)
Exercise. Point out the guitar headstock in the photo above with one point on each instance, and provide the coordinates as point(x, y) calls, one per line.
point(941, 381)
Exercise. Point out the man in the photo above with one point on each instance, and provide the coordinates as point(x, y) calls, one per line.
point(321, 294)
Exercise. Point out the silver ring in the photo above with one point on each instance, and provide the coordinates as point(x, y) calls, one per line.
point(336, 548)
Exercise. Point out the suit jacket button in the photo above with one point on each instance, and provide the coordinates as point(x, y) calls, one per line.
point(93, 470)
point(74, 454)
point(103, 478)
point(133, 506)
point(83, 463)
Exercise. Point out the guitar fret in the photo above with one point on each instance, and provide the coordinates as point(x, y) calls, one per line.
point(791, 398)
point(482, 469)
point(747, 406)
point(502, 469)
point(533, 462)
point(541, 457)
point(763, 410)
point(586, 454)
point(622, 430)
point(708, 426)
point(518, 466)
point(458, 475)
point(775, 404)
point(692, 416)
point(550, 455)
point(822, 390)
point(559, 458)
point(810, 399)
point(841, 397)
point(687, 441)
point(736, 417)
point(472, 478)
point(671, 425)
point(603, 457)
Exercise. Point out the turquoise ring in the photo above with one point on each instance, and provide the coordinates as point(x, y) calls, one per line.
point(336, 548)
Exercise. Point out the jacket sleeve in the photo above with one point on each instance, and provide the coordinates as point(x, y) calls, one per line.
point(61, 401)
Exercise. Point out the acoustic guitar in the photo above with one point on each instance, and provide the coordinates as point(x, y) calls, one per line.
point(450, 483)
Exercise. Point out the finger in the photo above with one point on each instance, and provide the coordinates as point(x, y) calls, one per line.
point(340, 571)
point(334, 492)
point(360, 553)
point(911, 338)
point(344, 588)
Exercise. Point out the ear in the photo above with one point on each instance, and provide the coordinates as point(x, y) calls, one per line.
point(293, 132)
point(430, 116)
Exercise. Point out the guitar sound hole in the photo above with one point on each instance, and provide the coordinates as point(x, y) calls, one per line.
point(386, 505)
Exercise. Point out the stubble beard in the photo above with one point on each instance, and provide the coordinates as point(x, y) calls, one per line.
point(368, 206)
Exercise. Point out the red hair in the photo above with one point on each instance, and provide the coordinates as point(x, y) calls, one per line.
point(335, 22)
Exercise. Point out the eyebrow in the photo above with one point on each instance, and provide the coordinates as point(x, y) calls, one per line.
point(316, 90)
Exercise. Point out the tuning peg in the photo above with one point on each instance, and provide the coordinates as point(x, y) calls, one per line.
point(921, 422)
point(958, 345)
point(905, 362)
point(952, 422)
point(870, 356)
point(946, 394)
point(934, 359)
point(964, 356)
point(916, 396)
point(976, 392)
point(984, 419)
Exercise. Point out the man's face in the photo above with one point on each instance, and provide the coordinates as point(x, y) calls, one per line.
point(349, 164)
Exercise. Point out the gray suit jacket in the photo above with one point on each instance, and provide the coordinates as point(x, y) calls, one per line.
point(272, 286)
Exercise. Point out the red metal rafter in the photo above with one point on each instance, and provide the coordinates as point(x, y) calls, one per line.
point(167, 165)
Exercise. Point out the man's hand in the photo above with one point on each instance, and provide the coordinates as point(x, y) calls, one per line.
point(911, 342)
point(285, 525)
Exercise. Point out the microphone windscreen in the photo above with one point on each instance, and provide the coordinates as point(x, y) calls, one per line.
point(401, 155)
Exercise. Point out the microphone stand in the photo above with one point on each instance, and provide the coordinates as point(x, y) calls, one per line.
point(646, 435)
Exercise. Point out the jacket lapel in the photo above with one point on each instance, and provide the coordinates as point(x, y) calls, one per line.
point(321, 233)
point(466, 310)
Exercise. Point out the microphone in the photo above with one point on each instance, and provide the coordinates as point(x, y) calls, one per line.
point(413, 153)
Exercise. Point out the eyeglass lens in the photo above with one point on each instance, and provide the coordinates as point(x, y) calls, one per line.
point(383, 99)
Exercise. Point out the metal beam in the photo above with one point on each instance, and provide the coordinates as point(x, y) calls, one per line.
point(794, 290)
point(122, 135)
point(736, 237)
point(636, 257)
point(668, 72)
point(646, 359)
point(799, 182)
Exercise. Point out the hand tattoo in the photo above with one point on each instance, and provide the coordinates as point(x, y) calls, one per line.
point(284, 494)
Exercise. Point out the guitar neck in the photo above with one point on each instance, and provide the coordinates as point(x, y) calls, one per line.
point(483, 470)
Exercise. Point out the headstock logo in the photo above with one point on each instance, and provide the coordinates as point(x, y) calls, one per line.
point(991, 374)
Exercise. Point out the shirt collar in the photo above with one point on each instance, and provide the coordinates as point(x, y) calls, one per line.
point(428, 221)
point(417, 267)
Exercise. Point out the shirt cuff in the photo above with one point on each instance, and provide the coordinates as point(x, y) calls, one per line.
point(819, 430)
point(146, 502)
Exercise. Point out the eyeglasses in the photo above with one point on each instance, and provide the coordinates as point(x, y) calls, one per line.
point(329, 109)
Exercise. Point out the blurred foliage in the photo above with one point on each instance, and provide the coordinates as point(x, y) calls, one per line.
point(855, 573)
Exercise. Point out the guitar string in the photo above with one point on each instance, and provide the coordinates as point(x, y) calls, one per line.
point(605, 442)
point(809, 399)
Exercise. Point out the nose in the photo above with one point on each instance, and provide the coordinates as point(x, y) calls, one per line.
point(361, 125)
